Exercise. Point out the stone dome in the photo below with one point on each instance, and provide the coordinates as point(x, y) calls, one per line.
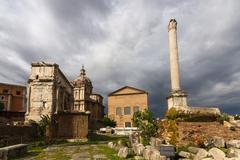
point(82, 79)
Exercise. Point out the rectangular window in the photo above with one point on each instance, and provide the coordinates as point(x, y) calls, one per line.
point(118, 111)
point(128, 124)
point(18, 93)
point(136, 109)
point(127, 110)
point(5, 91)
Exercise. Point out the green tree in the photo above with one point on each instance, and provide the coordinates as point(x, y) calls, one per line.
point(108, 122)
point(1, 106)
point(144, 121)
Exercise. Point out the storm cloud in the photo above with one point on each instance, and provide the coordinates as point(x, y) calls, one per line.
point(122, 42)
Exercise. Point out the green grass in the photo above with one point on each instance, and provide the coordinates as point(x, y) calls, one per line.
point(36, 149)
point(110, 153)
point(93, 137)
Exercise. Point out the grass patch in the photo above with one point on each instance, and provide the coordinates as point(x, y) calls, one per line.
point(93, 138)
point(110, 153)
point(37, 151)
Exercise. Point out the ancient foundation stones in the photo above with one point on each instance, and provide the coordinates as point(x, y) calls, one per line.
point(202, 153)
point(134, 138)
point(138, 158)
point(216, 153)
point(215, 142)
point(123, 152)
point(185, 154)
point(233, 143)
point(156, 142)
point(233, 152)
point(138, 149)
point(111, 145)
point(150, 153)
point(147, 152)
point(218, 142)
point(194, 149)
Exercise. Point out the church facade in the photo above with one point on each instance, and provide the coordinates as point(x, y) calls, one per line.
point(84, 98)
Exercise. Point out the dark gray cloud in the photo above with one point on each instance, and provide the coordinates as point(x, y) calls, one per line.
point(126, 43)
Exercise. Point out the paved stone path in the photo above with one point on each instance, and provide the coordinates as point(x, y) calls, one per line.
point(78, 152)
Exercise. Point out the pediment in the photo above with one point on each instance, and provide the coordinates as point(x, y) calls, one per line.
point(127, 90)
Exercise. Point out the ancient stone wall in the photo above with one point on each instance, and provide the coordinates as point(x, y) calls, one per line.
point(71, 125)
point(190, 132)
point(10, 135)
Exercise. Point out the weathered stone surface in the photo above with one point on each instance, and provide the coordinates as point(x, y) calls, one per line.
point(193, 149)
point(156, 142)
point(134, 138)
point(155, 155)
point(123, 152)
point(233, 152)
point(215, 141)
point(218, 142)
point(233, 158)
point(147, 152)
point(13, 151)
point(138, 158)
point(138, 149)
point(111, 144)
point(82, 155)
point(217, 154)
point(202, 153)
point(186, 154)
point(227, 124)
point(150, 153)
point(233, 143)
point(99, 156)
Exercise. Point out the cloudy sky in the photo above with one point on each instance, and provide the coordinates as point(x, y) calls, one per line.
point(125, 42)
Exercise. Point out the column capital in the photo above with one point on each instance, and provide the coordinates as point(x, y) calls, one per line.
point(172, 24)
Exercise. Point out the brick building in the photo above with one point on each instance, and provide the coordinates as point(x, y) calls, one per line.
point(13, 97)
point(123, 102)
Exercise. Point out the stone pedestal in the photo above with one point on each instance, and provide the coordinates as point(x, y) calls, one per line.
point(177, 99)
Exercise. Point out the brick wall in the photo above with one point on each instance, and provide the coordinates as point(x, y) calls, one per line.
point(71, 126)
point(10, 135)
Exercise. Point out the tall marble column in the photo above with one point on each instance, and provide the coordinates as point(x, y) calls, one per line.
point(177, 97)
point(174, 60)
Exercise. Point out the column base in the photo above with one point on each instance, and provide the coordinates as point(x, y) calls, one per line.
point(177, 99)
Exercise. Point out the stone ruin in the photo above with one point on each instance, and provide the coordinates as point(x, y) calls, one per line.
point(178, 98)
point(71, 106)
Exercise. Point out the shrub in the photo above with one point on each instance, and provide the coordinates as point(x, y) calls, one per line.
point(42, 125)
point(237, 117)
point(223, 117)
point(145, 123)
point(172, 128)
point(173, 114)
point(1, 106)
point(108, 122)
